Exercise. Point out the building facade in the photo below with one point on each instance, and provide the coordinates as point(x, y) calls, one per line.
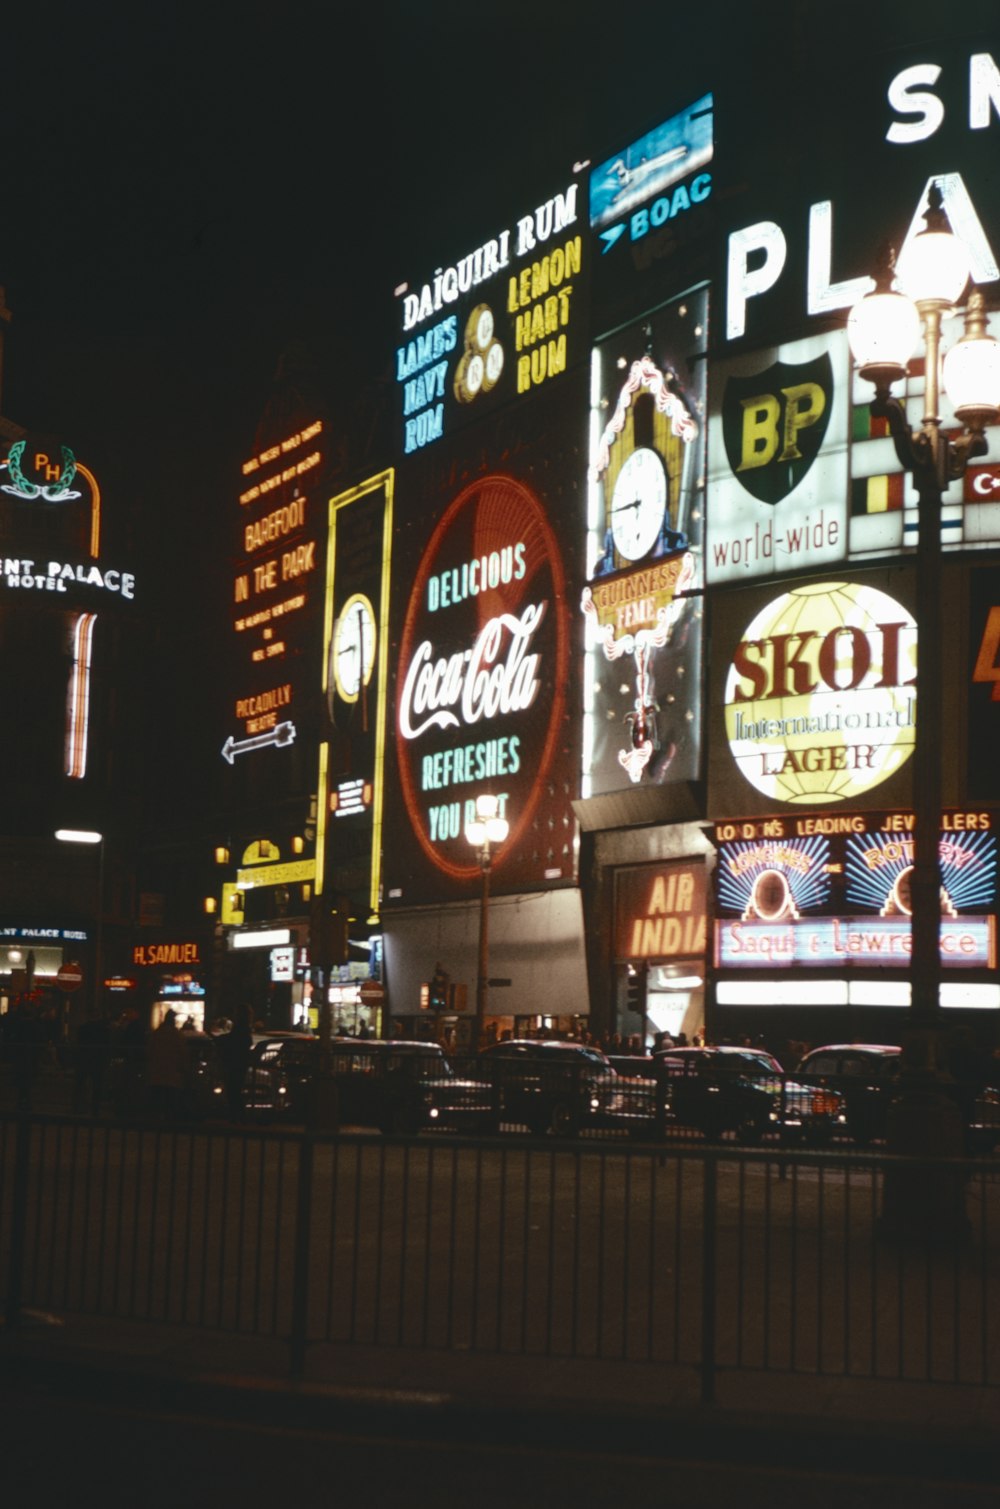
point(637, 564)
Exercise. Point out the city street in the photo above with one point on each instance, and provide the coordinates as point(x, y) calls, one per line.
point(518, 1247)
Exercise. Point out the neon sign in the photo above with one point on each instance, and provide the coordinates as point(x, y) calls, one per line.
point(350, 777)
point(820, 699)
point(55, 490)
point(631, 188)
point(483, 667)
point(497, 323)
point(154, 954)
point(829, 891)
point(57, 576)
point(271, 587)
point(644, 560)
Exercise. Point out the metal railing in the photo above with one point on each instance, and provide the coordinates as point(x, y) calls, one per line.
point(708, 1258)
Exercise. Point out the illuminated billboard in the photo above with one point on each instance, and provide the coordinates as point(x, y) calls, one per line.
point(815, 691)
point(276, 579)
point(660, 910)
point(502, 321)
point(54, 559)
point(645, 509)
point(983, 715)
point(778, 460)
point(485, 699)
point(834, 892)
point(656, 178)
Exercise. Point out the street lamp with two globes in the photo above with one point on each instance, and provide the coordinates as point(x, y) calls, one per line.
point(883, 330)
point(484, 833)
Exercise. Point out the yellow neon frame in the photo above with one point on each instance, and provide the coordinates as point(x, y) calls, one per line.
point(384, 480)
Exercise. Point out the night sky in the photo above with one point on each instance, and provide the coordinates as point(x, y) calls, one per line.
point(187, 188)
point(190, 188)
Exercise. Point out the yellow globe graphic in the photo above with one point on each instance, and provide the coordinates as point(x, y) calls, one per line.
point(820, 710)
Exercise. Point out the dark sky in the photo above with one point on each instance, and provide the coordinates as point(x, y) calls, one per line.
point(187, 188)
point(190, 187)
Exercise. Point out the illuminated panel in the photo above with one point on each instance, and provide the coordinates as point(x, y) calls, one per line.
point(485, 630)
point(645, 507)
point(272, 589)
point(356, 679)
point(660, 911)
point(78, 697)
point(835, 891)
point(820, 698)
point(656, 178)
point(833, 942)
point(502, 321)
point(95, 509)
point(777, 451)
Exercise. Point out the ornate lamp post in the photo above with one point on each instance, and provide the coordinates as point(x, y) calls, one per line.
point(88, 836)
point(488, 830)
point(883, 330)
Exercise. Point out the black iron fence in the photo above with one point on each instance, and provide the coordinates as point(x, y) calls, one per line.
point(710, 1258)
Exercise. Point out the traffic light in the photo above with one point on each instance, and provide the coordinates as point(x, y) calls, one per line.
point(636, 990)
point(327, 933)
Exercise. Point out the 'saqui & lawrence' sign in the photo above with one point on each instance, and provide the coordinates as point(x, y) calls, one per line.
point(833, 890)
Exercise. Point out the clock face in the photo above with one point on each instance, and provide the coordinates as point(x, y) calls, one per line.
point(638, 503)
point(352, 652)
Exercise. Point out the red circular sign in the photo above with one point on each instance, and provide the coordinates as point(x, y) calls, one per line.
point(484, 665)
point(69, 977)
point(371, 993)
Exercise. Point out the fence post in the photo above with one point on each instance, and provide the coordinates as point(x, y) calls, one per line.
point(708, 1279)
point(300, 1280)
point(19, 1222)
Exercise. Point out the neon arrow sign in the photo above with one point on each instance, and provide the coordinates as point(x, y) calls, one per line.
point(281, 735)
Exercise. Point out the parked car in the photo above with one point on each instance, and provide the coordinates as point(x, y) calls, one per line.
point(396, 1086)
point(202, 1097)
point(867, 1075)
point(403, 1086)
point(282, 1066)
point(745, 1091)
point(558, 1087)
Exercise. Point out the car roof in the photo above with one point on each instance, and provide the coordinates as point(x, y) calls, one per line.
point(710, 1049)
point(543, 1045)
point(386, 1045)
point(890, 1048)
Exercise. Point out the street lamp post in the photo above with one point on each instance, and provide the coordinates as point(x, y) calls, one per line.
point(89, 836)
point(488, 830)
point(883, 330)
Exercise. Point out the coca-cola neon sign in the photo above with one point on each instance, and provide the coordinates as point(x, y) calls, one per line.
point(479, 683)
point(484, 661)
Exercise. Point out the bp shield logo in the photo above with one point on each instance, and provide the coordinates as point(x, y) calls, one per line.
point(774, 424)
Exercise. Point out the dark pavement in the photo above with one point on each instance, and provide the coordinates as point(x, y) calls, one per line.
point(120, 1411)
point(144, 1412)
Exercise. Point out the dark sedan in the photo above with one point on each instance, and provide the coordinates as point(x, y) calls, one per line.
point(396, 1086)
point(868, 1076)
point(558, 1087)
point(745, 1091)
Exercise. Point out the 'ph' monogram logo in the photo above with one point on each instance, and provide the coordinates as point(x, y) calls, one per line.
point(774, 424)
